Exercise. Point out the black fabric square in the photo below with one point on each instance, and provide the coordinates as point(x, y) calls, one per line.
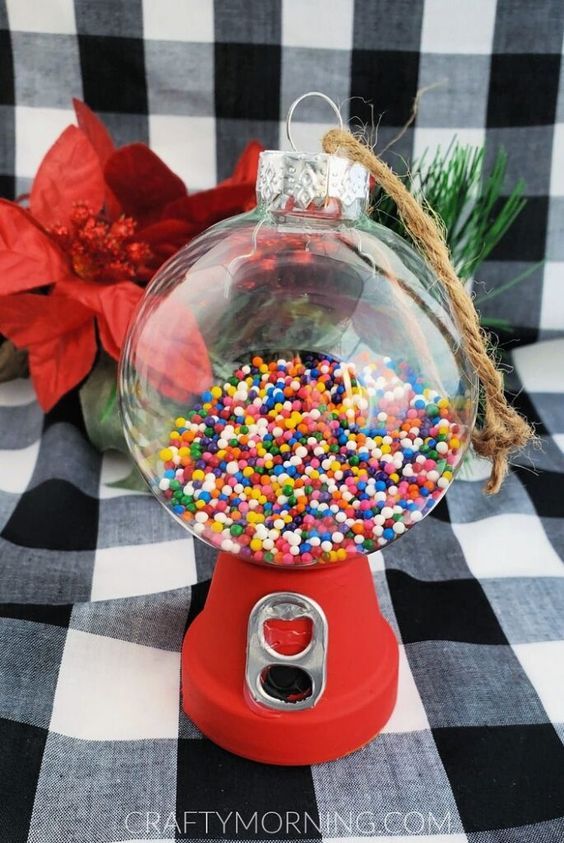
point(7, 187)
point(7, 93)
point(210, 779)
point(20, 764)
point(113, 74)
point(198, 597)
point(448, 610)
point(68, 410)
point(504, 776)
point(247, 81)
point(545, 489)
point(56, 516)
point(57, 614)
point(523, 90)
point(388, 83)
point(526, 239)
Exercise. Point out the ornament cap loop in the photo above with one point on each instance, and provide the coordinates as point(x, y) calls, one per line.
point(300, 99)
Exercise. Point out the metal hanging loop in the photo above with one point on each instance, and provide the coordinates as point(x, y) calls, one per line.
point(295, 104)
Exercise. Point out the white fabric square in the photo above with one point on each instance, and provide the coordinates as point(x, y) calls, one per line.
point(508, 546)
point(559, 439)
point(327, 24)
point(187, 146)
point(16, 468)
point(376, 561)
point(409, 714)
point(430, 139)
point(543, 662)
point(465, 26)
point(116, 466)
point(552, 307)
point(557, 171)
point(36, 130)
point(17, 393)
point(178, 20)
point(115, 690)
point(137, 569)
point(57, 16)
point(539, 366)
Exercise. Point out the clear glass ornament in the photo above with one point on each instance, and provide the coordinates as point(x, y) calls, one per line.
point(294, 388)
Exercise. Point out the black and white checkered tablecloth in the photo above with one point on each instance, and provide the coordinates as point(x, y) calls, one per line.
point(96, 586)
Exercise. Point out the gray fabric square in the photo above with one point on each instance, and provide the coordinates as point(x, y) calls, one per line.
point(7, 135)
point(460, 98)
point(179, 78)
point(385, 601)
point(520, 28)
point(8, 503)
point(31, 575)
point(395, 772)
point(66, 454)
point(126, 128)
point(325, 70)
point(430, 552)
point(521, 310)
point(555, 236)
point(529, 156)
point(233, 135)
point(467, 501)
point(105, 17)
point(550, 406)
point(559, 117)
point(248, 21)
point(30, 655)
point(401, 149)
point(528, 608)
point(87, 789)
point(47, 69)
point(550, 831)
point(380, 25)
point(135, 519)
point(473, 684)
point(154, 620)
point(20, 426)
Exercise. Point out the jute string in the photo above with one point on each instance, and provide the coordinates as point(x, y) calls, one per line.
point(502, 430)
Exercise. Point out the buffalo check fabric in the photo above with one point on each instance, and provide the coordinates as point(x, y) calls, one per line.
point(97, 586)
point(197, 79)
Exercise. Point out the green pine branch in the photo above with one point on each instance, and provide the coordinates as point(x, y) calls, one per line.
point(467, 199)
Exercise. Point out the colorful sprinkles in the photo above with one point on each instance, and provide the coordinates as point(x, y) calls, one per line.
point(305, 461)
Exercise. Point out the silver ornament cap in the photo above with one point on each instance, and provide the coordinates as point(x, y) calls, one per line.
point(296, 181)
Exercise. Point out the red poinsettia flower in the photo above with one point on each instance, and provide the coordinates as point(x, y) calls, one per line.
point(100, 221)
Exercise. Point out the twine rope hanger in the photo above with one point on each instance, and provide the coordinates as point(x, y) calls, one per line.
point(502, 430)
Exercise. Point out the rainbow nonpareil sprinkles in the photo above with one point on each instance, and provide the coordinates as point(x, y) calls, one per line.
point(306, 460)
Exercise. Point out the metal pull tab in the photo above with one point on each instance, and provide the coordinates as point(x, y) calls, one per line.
point(281, 681)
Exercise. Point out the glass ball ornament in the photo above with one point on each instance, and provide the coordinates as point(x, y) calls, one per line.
point(293, 386)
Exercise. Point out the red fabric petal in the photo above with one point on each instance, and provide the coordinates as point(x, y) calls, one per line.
point(28, 257)
point(166, 237)
point(118, 304)
point(247, 165)
point(142, 182)
point(94, 130)
point(60, 364)
point(103, 145)
point(209, 206)
point(70, 172)
point(30, 319)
